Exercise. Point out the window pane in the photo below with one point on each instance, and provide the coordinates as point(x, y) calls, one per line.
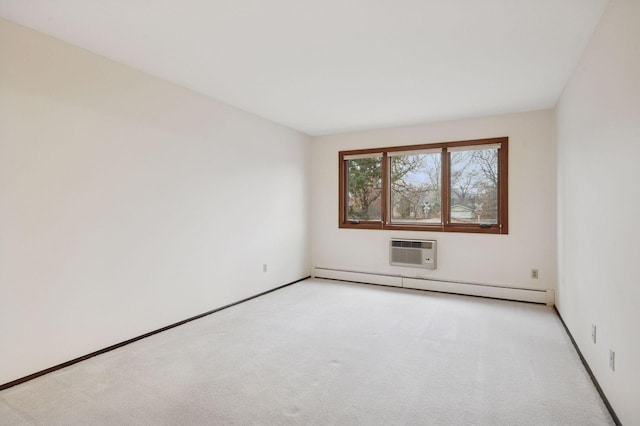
point(415, 188)
point(474, 186)
point(364, 189)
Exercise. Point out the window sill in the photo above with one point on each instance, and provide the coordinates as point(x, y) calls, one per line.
point(472, 229)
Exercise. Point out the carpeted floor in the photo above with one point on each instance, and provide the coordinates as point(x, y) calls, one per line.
point(328, 353)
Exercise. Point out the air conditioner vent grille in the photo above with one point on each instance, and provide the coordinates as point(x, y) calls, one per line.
point(414, 253)
point(412, 244)
point(413, 257)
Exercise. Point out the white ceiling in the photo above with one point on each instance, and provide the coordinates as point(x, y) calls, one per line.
point(329, 66)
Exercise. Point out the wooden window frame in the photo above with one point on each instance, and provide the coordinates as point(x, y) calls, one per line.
point(445, 226)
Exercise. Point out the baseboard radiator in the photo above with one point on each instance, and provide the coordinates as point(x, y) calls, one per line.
point(546, 297)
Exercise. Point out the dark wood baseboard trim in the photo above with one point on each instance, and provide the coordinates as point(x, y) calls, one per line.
point(135, 339)
point(586, 366)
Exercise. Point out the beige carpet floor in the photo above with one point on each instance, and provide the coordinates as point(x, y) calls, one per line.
point(329, 353)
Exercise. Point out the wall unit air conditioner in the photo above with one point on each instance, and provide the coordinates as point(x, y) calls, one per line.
point(414, 253)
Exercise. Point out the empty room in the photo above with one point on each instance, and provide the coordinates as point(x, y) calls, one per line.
point(348, 212)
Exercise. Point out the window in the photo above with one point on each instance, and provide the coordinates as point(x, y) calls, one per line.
point(365, 187)
point(453, 186)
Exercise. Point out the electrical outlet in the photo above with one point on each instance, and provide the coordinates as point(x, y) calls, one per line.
point(593, 333)
point(612, 360)
point(534, 274)
point(264, 267)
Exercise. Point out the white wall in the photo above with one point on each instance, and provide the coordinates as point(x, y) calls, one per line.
point(504, 260)
point(598, 136)
point(128, 203)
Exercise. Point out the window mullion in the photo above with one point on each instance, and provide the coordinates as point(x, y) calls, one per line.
point(446, 189)
point(503, 182)
point(386, 187)
point(342, 189)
